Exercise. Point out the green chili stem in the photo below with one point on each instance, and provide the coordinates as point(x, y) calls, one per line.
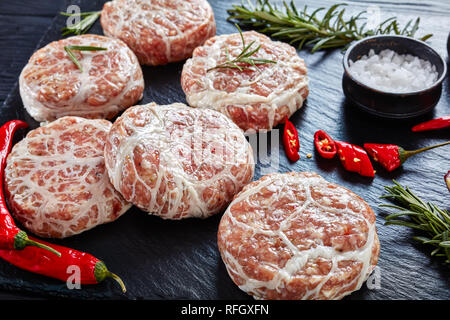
point(405, 154)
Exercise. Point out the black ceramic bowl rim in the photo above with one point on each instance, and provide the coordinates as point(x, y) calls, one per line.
point(406, 93)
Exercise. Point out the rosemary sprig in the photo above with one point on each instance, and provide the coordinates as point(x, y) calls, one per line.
point(69, 50)
point(427, 217)
point(306, 28)
point(83, 25)
point(244, 59)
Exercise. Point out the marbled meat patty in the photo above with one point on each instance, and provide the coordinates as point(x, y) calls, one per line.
point(52, 86)
point(256, 99)
point(56, 181)
point(177, 162)
point(297, 236)
point(159, 31)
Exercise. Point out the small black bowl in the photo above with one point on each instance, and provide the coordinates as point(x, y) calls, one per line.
point(391, 104)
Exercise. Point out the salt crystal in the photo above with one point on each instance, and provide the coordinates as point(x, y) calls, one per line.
point(389, 71)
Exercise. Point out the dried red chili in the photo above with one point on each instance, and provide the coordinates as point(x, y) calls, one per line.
point(440, 123)
point(290, 141)
point(392, 156)
point(325, 145)
point(36, 260)
point(354, 159)
point(11, 237)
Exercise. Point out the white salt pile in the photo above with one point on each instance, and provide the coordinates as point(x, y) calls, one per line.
point(389, 71)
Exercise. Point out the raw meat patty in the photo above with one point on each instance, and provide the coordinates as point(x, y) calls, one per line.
point(56, 181)
point(159, 31)
point(51, 85)
point(255, 99)
point(177, 162)
point(297, 236)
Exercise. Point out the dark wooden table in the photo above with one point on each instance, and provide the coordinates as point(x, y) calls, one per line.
point(407, 270)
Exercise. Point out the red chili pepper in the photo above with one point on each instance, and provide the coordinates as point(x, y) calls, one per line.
point(325, 145)
point(366, 168)
point(36, 260)
point(387, 155)
point(291, 141)
point(440, 123)
point(447, 180)
point(354, 159)
point(11, 237)
point(392, 156)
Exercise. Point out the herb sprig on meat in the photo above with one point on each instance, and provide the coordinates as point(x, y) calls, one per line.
point(70, 49)
point(244, 61)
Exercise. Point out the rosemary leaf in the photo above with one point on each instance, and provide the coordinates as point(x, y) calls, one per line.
point(423, 239)
point(86, 48)
point(434, 252)
point(69, 50)
point(81, 14)
point(445, 244)
point(321, 43)
point(73, 58)
point(406, 224)
point(401, 213)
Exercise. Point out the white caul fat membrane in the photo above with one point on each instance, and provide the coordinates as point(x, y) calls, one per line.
point(50, 75)
point(282, 276)
point(286, 80)
point(56, 179)
point(176, 162)
point(162, 31)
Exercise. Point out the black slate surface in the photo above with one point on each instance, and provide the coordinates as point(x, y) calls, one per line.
point(161, 259)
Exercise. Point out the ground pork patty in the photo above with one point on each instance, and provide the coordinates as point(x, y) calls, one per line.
point(52, 86)
point(159, 31)
point(297, 236)
point(56, 181)
point(255, 99)
point(177, 162)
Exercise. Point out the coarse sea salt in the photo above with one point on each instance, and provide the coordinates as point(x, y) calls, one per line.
point(393, 72)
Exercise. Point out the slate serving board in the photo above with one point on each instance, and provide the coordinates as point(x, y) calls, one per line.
point(160, 259)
